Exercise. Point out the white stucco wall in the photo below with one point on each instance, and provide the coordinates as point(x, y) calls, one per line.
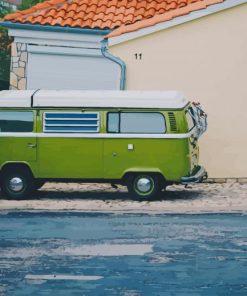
point(207, 60)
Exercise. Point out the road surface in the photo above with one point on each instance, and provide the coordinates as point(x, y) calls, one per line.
point(196, 198)
point(122, 254)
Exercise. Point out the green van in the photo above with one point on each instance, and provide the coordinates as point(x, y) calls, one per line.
point(145, 140)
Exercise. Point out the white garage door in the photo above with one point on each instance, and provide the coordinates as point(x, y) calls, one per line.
point(70, 68)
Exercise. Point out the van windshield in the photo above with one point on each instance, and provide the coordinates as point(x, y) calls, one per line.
point(190, 120)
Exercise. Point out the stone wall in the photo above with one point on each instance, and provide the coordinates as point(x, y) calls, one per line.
point(18, 68)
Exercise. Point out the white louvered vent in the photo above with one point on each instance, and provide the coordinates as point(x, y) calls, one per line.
point(71, 122)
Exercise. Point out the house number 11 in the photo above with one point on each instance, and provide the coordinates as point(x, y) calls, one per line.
point(138, 56)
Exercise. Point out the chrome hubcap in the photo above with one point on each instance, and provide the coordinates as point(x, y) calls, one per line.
point(16, 184)
point(144, 185)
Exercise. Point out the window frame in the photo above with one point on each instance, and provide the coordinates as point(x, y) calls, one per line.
point(131, 112)
point(70, 131)
point(107, 121)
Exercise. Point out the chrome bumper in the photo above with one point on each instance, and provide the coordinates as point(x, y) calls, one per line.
point(200, 175)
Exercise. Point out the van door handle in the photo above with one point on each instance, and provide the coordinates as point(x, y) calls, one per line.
point(29, 145)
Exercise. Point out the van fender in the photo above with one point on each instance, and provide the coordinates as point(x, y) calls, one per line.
point(142, 170)
point(23, 164)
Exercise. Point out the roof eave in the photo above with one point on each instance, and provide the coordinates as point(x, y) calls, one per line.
point(214, 8)
point(37, 27)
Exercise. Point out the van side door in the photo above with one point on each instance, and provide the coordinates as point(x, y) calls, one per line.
point(17, 135)
point(133, 143)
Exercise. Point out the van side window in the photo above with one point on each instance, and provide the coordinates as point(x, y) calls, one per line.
point(113, 122)
point(16, 121)
point(136, 122)
point(71, 122)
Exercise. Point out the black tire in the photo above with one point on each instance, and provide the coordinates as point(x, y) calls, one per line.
point(151, 186)
point(22, 183)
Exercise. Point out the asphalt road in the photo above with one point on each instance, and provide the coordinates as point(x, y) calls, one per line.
point(127, 254)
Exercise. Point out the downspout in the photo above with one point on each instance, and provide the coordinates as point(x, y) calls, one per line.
point(107, 55)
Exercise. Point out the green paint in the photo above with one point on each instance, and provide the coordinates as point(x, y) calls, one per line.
point(101, 158)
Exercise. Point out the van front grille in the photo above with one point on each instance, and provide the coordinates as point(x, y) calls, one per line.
point(172, 120)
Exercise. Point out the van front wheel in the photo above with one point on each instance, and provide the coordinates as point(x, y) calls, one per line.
point(17, 183)
point(144, 186)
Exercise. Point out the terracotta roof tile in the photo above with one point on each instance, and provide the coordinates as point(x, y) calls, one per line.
point(149, 13)
point(88, 16)
point(82, 7)
point(97, 24)
point(140, 5)
point(152, 4)
point(129, 18)
point(109, 17)
point(61, 13)
point(57, 21)
point(169, 14)
point(99, 16)
point(141, 11)
point(71, 15)
point(111, 9)
point(52, 13)
point(39, 19)
point(94, 7)
point(76, 23)
point(68, 22)
point(74, 6)
point(100, 2)
point(128, 15)
point(130, 11)
point(108, 23)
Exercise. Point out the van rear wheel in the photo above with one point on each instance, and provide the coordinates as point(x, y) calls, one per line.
point(144, 186)
point(17, 183)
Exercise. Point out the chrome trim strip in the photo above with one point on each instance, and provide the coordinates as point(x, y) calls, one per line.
point(99, 135)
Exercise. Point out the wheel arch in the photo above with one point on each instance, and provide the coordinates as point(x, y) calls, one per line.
point(16, 165)
point(136, 171)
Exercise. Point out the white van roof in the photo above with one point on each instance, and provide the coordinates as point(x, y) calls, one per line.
point(98, 99)
point(15, 98)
